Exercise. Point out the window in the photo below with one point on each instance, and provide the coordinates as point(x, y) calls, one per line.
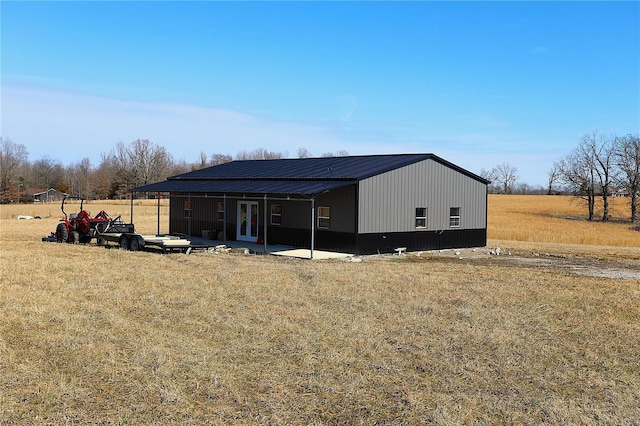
point(276, 214)
point(187, 210)
point(454, 217)
point(324, 217)
point(220, 211)
point(421, 217)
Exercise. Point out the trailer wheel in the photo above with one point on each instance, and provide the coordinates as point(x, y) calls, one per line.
point(62, 233)
point(75, 237)
point(134, 244)
point(124, 242)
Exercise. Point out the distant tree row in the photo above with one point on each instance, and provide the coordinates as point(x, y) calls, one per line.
point(601, 166)
point(126, 166)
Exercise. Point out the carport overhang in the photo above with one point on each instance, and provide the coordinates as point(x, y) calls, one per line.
point(246, 189)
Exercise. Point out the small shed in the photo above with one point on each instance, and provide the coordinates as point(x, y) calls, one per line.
point(45, 196)
point(358, 204)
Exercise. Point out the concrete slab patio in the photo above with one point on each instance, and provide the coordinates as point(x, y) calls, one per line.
point(306, 254)
point(274, 249)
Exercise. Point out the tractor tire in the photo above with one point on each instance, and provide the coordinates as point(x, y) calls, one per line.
point(123, 242)
point(75, 237)
point(62, 233)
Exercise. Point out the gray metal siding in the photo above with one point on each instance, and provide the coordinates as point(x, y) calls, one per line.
point(387, 202)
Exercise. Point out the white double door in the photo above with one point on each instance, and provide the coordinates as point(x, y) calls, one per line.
point(247, 221)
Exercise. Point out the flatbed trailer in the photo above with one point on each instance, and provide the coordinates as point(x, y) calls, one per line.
point(124, 235)
point(134, 242)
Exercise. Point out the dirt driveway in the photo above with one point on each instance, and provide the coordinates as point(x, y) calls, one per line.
point(587, 264)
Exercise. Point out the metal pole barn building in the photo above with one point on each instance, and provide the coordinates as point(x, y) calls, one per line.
point(357, 204)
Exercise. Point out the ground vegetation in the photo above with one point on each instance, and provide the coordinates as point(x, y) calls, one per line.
point(95, 335)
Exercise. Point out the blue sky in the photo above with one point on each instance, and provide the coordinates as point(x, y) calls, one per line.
point(478, 83)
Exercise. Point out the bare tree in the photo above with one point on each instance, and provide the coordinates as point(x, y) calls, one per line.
point(139, 163)
point(599, 150)
point(203, 161)
point(627, 159)
point(217, 159)
point(259, 154)
point(103, 179)
point(12, 157)
point(79, 177)
point(491, 177)
point(48, 173)
point(150, 162)
point(554, 174)
point(304, 153)
point(339, 153)
point(578, 174)
point(506, 176)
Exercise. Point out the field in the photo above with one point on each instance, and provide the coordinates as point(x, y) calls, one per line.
point(95, 335)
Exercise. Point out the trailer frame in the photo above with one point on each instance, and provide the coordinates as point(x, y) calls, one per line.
point(124, 235)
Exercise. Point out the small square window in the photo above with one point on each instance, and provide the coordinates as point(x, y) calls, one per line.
point(454, 217)
point(220, 210)
point(276, 214)
point(324, 217)
point(421, 217)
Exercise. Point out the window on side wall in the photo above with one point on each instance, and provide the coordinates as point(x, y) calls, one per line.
point(324, 217)
point(454, 217)
point(276, 214)
point(421, 217)
point(220, 211)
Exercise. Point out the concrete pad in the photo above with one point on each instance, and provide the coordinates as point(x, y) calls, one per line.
point(306, 254)
point(275, 249)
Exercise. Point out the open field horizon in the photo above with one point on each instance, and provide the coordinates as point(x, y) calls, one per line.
point(94, 335)
point(531, 222)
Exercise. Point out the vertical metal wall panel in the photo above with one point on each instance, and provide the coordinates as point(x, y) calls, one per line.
point(388, 201)
point(342, 203)
point(295, 214)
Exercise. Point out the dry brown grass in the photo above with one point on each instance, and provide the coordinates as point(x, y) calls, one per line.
point(558, 224)
point(90, 335)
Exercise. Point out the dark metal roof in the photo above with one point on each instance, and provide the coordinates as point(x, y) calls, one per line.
point(355, 167)
point(309, 176)
point(281, 187)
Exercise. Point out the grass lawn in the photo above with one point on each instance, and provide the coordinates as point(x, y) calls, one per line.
point(95, 335)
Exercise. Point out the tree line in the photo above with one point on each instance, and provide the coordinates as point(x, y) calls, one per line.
point(126, 166)
point(600, 166)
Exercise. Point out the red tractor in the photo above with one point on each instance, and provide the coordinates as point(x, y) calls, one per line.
point(80, 227)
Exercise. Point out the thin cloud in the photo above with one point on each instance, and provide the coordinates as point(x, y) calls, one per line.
point(350, 104)
point(91, 125)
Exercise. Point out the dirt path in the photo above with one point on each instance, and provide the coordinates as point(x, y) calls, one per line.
point(587, 265)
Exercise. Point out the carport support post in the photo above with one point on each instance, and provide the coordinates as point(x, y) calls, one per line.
point(190, 214)
point(224, 217)
point(265, 224)
point(131, 208)
point(313, 227)
point(158, 196)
